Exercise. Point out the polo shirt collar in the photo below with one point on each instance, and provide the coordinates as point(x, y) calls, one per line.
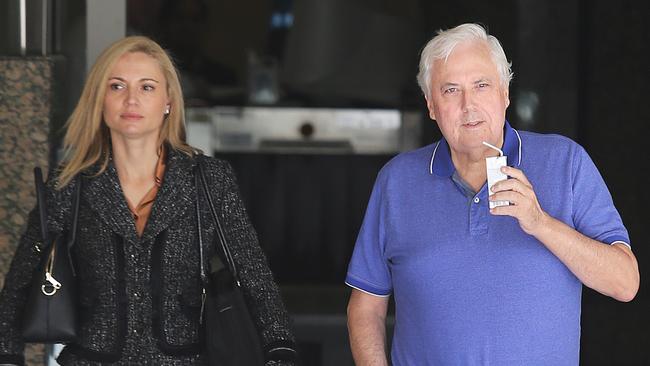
point(442, 165)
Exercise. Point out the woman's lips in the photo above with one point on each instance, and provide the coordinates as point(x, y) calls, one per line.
point(131, 116)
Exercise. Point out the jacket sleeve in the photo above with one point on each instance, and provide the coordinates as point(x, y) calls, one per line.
point(16, 283)
point(260, 290)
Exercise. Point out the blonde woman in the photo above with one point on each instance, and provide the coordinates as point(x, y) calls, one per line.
point(136, 252)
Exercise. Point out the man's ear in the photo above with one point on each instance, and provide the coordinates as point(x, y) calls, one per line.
point(507, 98)
point(432, 113)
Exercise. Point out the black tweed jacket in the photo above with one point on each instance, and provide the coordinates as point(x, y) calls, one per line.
point(140, 297)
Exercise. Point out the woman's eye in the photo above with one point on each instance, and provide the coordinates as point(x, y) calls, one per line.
point(148, 87)
point(116, 86)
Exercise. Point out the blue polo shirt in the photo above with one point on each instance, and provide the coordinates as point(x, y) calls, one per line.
point(471, 288)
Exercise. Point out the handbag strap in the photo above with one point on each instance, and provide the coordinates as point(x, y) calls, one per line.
point(41, 202)
point(75, 212)
point(42, 205)
point(199, 229)
point(225, 249)
point(72, 237)
point(200, 182)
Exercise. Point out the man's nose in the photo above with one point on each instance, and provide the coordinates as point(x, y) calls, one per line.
point(467, 101)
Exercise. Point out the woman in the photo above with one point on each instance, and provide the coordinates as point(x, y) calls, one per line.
point(136, 252)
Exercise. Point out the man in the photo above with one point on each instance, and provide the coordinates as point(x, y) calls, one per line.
point(474, 285)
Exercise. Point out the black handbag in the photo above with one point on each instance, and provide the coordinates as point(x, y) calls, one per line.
point(50, 313)
point(230, 336)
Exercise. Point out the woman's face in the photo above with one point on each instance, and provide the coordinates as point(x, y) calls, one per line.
point(136, 97)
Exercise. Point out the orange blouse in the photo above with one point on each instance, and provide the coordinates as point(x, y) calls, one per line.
point(142, 210)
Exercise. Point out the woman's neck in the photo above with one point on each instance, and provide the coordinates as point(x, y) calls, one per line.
point(135, 160)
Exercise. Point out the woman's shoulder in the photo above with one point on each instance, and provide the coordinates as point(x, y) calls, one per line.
point(53, 183)
point(58, 197)
point(215, 166)
point(218, 172)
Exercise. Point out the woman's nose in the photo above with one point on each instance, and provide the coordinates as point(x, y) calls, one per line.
point(131, 97)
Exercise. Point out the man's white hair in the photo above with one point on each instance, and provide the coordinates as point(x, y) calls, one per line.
point(441, 46)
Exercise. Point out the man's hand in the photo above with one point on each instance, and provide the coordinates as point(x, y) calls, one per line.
point(609, 269)
point(524, 205)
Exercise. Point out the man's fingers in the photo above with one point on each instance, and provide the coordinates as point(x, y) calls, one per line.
point(517, 174)
point(512, 185)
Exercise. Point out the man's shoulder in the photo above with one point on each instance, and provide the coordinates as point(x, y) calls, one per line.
point(409, 162)
point(541, 143)
point(418, 158)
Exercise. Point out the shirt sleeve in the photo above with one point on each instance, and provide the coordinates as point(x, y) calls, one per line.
point(368, 270)
point(594, 214)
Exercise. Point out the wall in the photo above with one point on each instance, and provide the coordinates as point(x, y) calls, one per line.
point(25, 99)
point(613, 127)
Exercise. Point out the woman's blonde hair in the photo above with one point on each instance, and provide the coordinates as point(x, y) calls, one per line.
point(87, 138)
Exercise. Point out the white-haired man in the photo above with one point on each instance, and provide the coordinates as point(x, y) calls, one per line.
point(475, 284)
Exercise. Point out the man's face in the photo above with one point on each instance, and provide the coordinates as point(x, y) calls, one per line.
point(467, 98)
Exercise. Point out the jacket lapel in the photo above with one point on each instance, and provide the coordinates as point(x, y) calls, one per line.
point(104, 195)
point(175, 195)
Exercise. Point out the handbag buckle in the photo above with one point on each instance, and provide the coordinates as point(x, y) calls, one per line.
point(51, 286)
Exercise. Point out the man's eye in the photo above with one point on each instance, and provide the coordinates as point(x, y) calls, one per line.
point(483, 85)
point(450, 90)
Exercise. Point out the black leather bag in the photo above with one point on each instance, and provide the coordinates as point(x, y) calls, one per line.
point(230, 336)
point(50, 314)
